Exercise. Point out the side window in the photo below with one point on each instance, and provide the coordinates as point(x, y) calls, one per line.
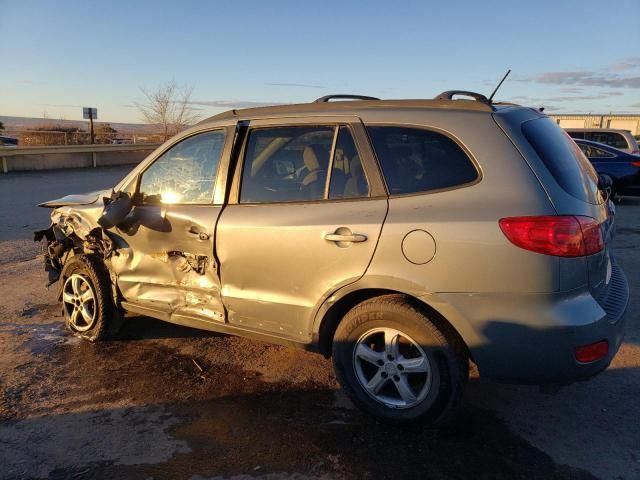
point(586, 149)
point(187, 172)
point(599, 153)
point(576, 135)
point(608, 138)
point(619, 141)
point(286, 164)
point(416, 160)
point(347, 176)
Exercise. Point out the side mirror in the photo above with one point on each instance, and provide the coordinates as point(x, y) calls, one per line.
point(115, 210)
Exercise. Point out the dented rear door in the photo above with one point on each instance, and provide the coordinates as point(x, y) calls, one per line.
point(169, 266)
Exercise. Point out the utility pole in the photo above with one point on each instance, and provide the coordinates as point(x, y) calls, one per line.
point(90, 113)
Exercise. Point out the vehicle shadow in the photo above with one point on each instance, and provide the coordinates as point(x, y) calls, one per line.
point(283, 433)
point(146, 328)
point(592, 424)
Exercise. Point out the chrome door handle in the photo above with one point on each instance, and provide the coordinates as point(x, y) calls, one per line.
point(201, 235)
point(355, 237)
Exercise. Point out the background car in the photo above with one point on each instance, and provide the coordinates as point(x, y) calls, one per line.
point(622, 168)
point(8, 141)
point(620, 139)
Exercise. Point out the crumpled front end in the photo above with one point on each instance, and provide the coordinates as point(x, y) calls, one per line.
point(149, 260)
point(74, 229)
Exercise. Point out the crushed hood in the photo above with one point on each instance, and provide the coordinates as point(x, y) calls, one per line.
point(80, 199)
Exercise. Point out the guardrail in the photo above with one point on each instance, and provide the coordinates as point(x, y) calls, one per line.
point(16, 159)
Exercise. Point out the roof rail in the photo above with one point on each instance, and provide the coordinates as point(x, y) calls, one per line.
point(326, 98)
point(449, 94)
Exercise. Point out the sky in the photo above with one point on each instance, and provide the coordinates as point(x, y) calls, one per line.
point(568, 56)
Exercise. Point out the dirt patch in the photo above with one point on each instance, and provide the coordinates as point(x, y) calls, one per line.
point(39, 446)
point(20, 250)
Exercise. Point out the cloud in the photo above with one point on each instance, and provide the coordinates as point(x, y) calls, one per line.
point(586, 79)
point(623, 74)
point(626, 65)
point(571, 90)
point(565, 98)
point(599, 96)
point(61, 105)
point(552, 108)
point(231, 103)
point(297, 85)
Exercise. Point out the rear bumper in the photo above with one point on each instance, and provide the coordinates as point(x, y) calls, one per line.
point(531, 339)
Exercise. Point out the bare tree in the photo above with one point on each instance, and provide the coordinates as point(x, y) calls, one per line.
point(105, 133)
point(169, 107)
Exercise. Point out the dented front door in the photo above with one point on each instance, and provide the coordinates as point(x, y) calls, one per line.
point(168, 266)
point(171, 267)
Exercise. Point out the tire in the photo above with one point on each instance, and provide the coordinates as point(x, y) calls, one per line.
point(434, 386)
point(616, 198)
point(611, 191)
point(87, 303)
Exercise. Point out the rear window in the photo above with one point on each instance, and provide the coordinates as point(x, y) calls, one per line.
point(563, 158)
point(415, 160)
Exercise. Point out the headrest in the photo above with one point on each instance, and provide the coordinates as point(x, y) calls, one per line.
point(356, 166)
point(315, 157)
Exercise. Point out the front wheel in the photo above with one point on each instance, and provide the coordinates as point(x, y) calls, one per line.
point(398, 364)
point(87, 304)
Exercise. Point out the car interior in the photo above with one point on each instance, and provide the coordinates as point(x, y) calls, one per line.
point(289, 164)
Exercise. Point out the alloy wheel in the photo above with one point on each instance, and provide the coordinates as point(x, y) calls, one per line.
point(392, 368)
point(79, 302)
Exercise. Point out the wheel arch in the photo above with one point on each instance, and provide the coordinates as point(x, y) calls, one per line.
point(333, 314)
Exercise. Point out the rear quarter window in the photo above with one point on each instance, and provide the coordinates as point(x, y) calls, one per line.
point(563, 158)
point(415, 160)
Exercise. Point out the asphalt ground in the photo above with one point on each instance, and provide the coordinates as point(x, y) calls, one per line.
point(163, 401)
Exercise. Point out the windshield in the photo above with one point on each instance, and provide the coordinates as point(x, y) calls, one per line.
point(564, 159)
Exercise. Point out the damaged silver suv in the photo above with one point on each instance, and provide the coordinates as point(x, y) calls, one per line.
point(403, 238)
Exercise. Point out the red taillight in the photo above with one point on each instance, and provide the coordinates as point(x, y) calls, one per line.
point(591, 353)
point(560, 236)
point(636, 164)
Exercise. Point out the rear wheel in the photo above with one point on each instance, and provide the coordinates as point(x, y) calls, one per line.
point(398, 364)
point(87, 304)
